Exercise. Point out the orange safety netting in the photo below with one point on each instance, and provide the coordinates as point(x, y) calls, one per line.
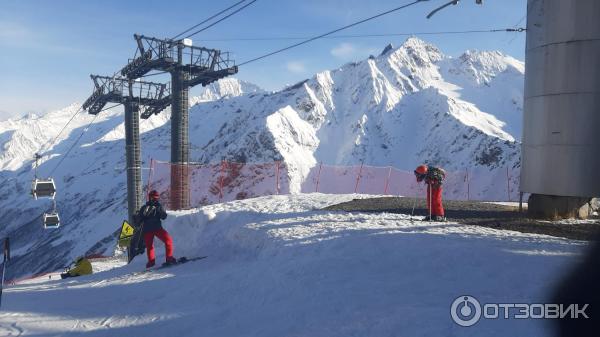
point(227, 181)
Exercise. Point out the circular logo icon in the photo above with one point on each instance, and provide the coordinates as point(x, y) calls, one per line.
point(465, 310)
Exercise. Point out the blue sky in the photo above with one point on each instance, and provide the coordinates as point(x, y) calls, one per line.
point(49, 48)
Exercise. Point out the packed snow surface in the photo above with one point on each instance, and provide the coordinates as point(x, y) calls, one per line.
point(280, 266)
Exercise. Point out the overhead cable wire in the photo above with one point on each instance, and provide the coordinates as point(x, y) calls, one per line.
point(227, 16)
point(208, 19)
point(211, 25)
point(78, 139)
point(479, 31)
point(50, 144)
point(332, 32)
point(281, 38)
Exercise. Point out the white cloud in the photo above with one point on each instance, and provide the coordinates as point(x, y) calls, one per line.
point(296, 67)
point(344, 50)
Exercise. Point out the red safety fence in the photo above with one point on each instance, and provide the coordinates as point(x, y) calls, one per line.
point(219, 182)
point(227, 181)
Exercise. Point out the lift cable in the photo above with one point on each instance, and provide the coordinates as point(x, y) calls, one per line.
point(208, 19)
point(479, 31)
point(282, 38)
point(227, 16)
point(79, 138)
point(49, 143)
point(332, 32)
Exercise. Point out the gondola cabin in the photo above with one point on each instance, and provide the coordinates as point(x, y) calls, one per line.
point(43, 188)
point(51, 220)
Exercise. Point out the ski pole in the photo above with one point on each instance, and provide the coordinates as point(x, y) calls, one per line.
point(2, 284)
point(6, 258)
point(430, 201)
point(412, 212)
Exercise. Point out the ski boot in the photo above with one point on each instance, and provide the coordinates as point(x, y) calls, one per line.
point(170, 261)
point(437, 218)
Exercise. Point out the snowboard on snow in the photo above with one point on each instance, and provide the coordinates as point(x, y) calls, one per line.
point(180, 261)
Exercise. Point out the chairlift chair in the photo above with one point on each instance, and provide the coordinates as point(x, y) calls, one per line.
point(43, 188)
point(51, 220)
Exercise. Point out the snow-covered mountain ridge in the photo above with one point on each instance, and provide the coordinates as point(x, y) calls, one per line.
point(409, 105)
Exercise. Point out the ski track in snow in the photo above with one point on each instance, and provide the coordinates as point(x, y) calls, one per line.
point(280, 266)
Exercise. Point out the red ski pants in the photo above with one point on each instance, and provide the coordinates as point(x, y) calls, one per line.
point(434, 200)
point(163, 236)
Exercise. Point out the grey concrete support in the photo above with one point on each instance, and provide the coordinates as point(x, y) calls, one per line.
point(552, 207)
point(560, 164)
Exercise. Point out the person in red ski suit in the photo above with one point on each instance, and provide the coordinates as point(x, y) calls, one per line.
point(433, 177)
point(151, 216)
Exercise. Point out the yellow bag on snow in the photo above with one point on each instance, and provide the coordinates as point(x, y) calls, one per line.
point(82, 267)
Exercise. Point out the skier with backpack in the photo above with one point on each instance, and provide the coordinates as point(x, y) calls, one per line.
point(433, 177)
point(150, 217)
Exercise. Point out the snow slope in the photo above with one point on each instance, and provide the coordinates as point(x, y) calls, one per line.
point(409, 105)
point(277, 266)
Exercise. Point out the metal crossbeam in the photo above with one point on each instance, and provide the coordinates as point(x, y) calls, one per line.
point(179, 55)
point(117, 90)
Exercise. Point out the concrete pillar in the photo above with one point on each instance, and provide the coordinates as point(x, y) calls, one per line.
point(561, 107)
point(552, 207)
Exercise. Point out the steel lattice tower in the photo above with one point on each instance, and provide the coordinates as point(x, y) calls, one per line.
point(188, 66)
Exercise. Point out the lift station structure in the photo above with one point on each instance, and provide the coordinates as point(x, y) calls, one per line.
point(189, 66)
point(149, 97)
point(560, 161)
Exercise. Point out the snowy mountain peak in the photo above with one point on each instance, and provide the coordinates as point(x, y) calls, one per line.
point(483, 66)
point(225, 88)
point(419, 50)
point(387, 49)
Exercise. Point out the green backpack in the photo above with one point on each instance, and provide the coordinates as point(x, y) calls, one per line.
point(435, 175)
